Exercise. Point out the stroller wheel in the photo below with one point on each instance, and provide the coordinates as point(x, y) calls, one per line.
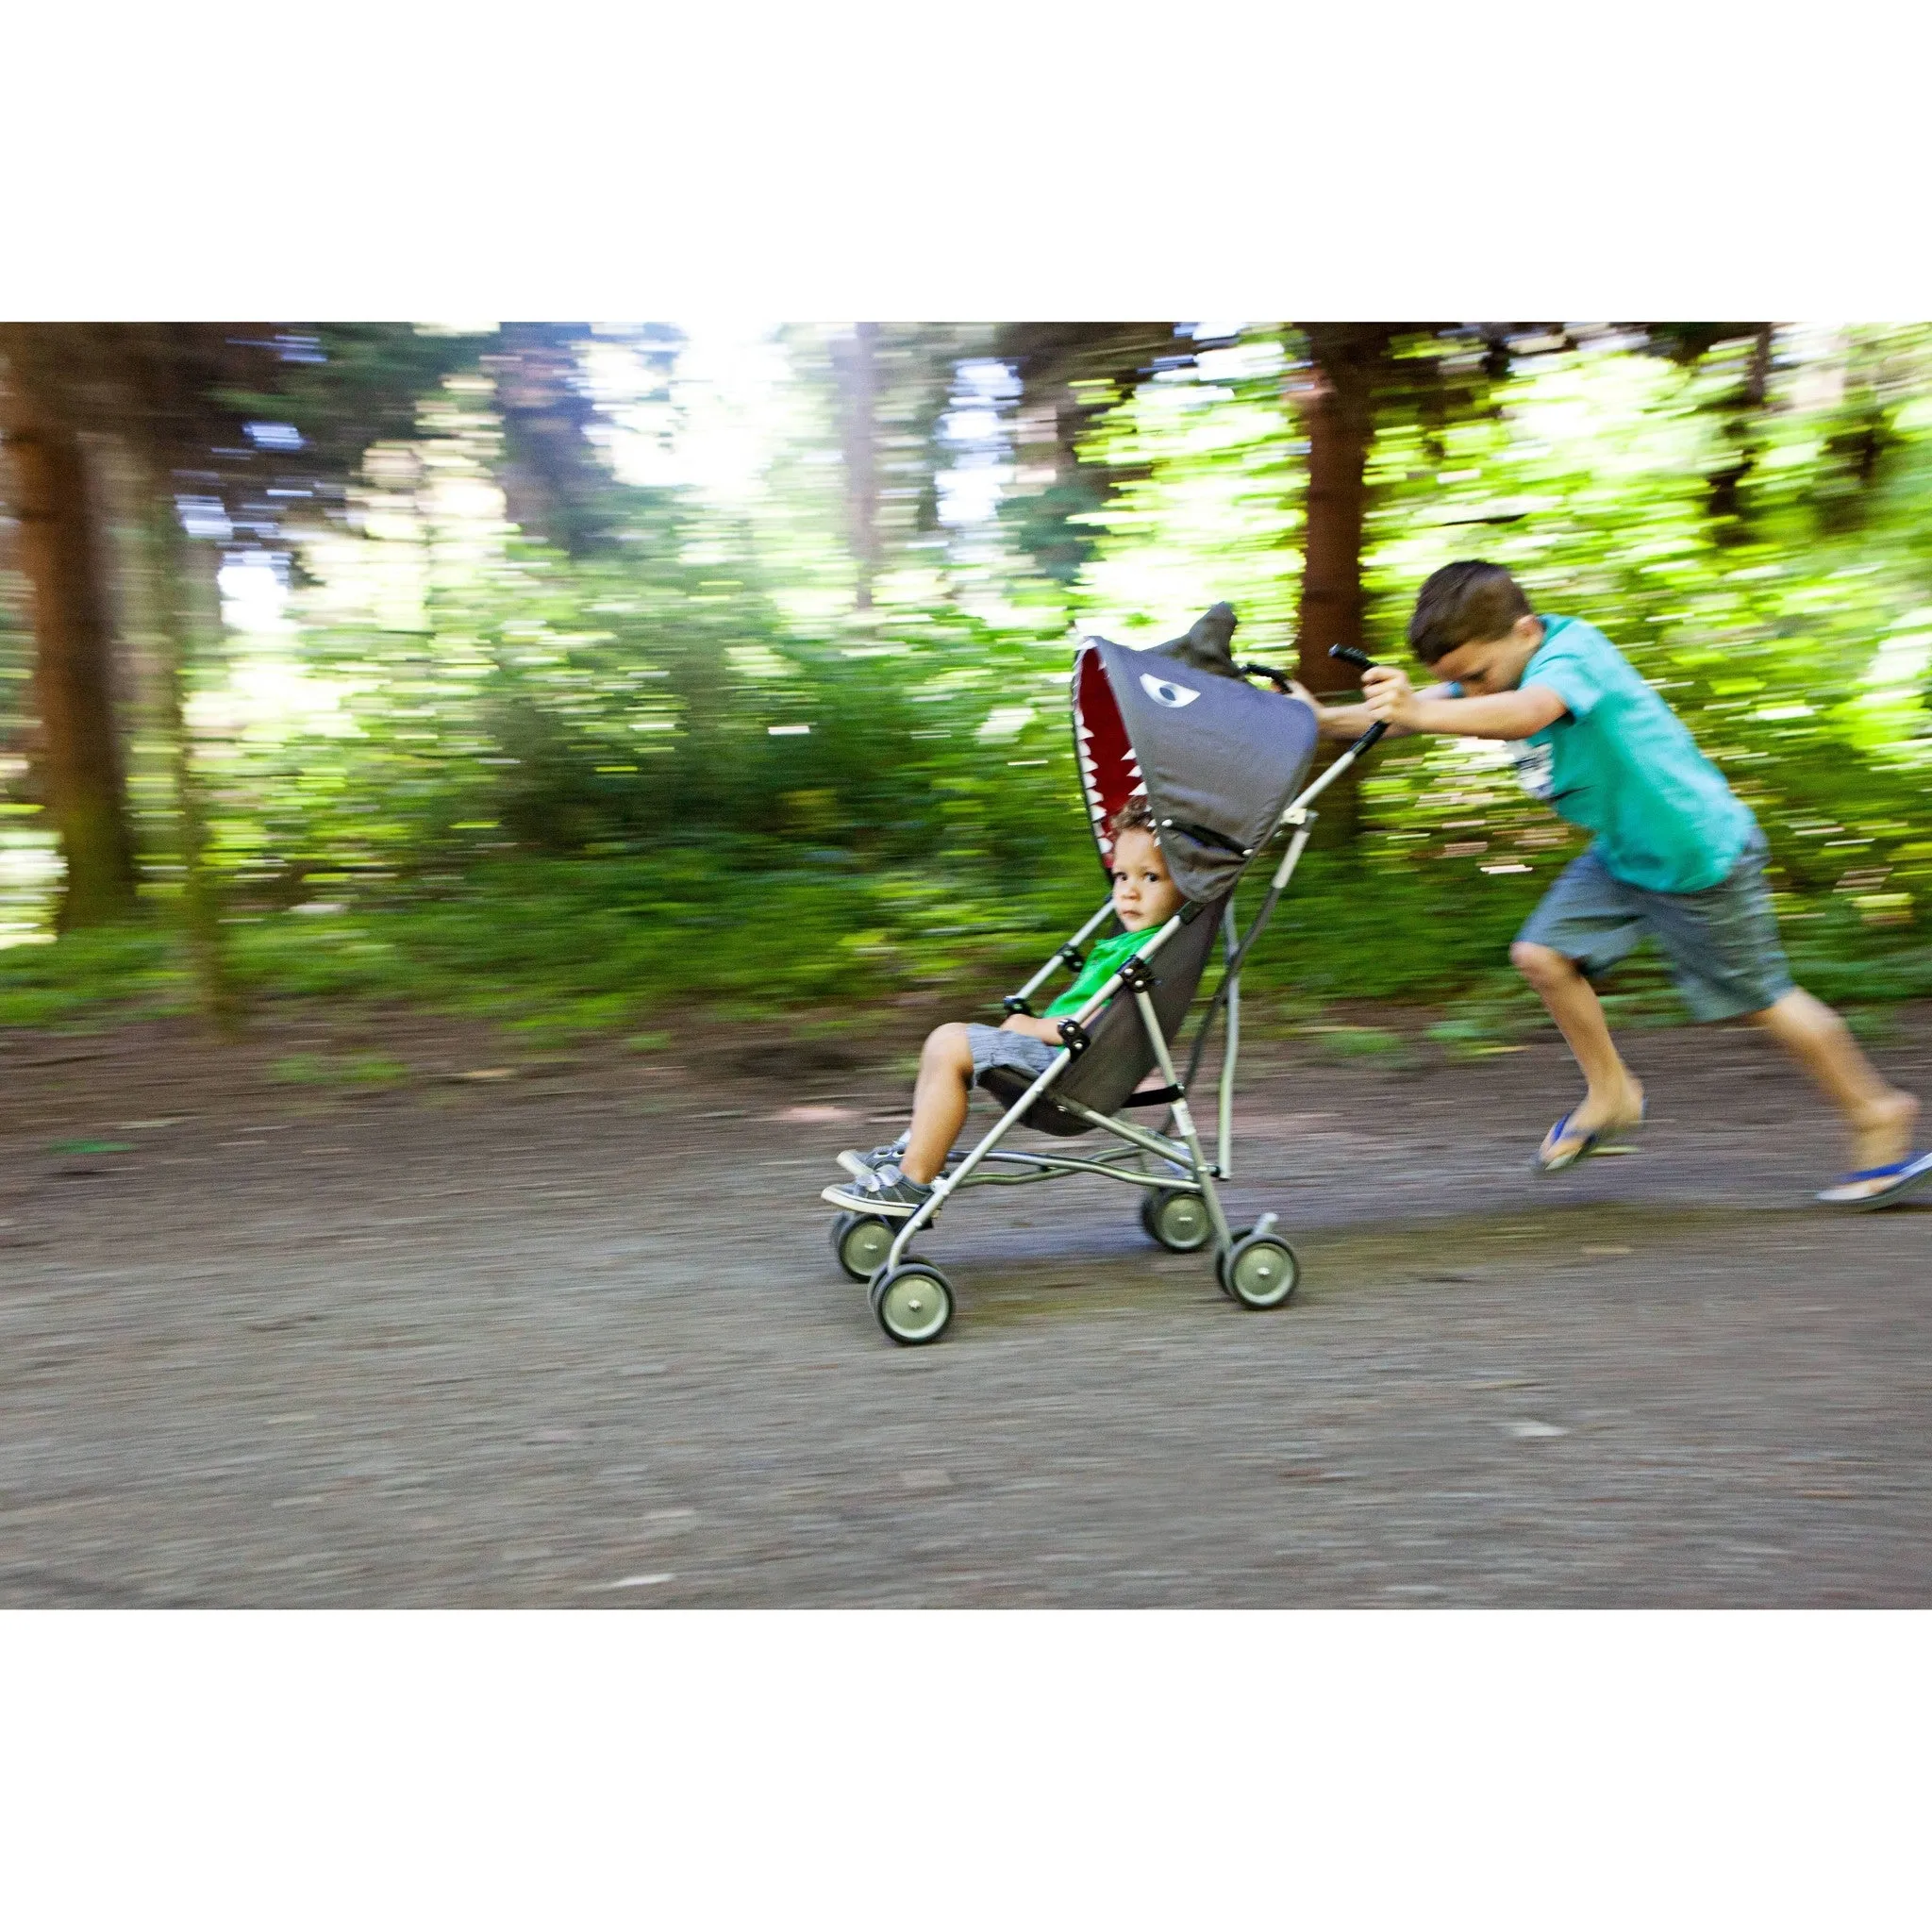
point(913, 1302)
point(1259, 1271)
point(1178, 1222)
point(862, 1242)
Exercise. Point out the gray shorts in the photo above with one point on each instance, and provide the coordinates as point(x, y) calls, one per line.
point(1721, 942)
point(993, 1047)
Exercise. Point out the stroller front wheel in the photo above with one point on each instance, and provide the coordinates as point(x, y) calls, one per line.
point(913, 1302)
point(1178, 1222)
point(862, 1242)
point(1259, 1271)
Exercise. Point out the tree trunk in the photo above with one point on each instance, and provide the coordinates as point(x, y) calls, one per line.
point(86, 783)
point(856, 363)
point(1071, 375)
point(1337, 407)
point(1338, 411)
point(182, 590)
point(551, 476)
point(1743, 430)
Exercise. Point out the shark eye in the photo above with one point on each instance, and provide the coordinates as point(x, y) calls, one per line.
point(1163, 690)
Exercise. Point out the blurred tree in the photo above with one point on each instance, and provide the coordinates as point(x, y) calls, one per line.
point(1352, 373)
point(1738, 411)
point(181, 398)
point(556, 488)
point(1350, 364)
point(1070, 374)
point(1862, 432)
point(891, 383)
point(173, 425)
point(854, 365)
point(83, 776)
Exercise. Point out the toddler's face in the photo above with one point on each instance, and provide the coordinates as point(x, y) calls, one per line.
point(1143, 895)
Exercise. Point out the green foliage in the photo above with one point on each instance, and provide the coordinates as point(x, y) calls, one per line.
point(679, 770)
point(1211, 508)
point(90, 976)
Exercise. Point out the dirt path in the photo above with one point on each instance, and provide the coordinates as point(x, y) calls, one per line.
point(575, 1337)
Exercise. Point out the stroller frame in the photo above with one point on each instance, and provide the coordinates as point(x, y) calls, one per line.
point(910, 1298)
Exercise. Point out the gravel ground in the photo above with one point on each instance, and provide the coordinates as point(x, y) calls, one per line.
point(571, 1334)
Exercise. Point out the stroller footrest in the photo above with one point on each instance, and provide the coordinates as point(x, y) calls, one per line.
point(1157, 1096)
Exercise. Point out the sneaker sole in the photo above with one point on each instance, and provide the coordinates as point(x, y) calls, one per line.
point(857, 1203)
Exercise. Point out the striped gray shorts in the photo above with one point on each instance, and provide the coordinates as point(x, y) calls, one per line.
point(993, 1047)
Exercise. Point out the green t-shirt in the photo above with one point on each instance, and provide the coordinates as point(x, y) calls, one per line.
point(1621, 764)
point(1102, 962)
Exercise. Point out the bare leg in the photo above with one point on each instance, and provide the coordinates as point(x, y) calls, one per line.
point(1614, 1098)
point(939, 1102)
point(1880, 1117)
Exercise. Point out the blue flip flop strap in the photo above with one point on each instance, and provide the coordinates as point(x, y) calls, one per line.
point(1885, 1174)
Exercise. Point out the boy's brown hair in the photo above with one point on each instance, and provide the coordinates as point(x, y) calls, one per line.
point(1463, 602)
point(1136, 815)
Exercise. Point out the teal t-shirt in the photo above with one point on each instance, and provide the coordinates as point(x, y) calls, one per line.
point(1622, 765)
point(1102, 962)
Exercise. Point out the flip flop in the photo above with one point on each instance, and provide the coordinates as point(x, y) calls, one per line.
point(1560, 1163)
point(1898, 1178)
point(1594, 1140)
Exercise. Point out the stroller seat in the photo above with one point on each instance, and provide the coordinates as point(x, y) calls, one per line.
point(1120, 1055)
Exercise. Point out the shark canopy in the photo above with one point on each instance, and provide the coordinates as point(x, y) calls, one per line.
point(1218, 759)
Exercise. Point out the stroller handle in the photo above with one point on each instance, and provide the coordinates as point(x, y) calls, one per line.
point(1347, 654)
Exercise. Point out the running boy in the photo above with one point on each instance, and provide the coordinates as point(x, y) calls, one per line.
point(1677, 856)
point(893, 1181)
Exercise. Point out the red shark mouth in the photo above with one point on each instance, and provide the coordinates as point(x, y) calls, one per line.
point(1110, 772)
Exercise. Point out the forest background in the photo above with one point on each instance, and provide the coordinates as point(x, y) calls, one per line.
point(566, 674)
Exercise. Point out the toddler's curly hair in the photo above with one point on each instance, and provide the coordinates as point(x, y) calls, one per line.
point(1136, 815)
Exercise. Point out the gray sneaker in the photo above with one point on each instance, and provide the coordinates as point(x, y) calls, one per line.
point(881, 1190)
point(859, 1165)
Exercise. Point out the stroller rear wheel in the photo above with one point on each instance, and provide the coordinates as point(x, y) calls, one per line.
point(1178, 1222)
point(862, 1242)
point(1259, 1271)
point(913, 1302)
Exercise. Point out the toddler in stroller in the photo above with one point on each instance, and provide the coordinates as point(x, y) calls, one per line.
point(893, 1181)
point(1190, 772)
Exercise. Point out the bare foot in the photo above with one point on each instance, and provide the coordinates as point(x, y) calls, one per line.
point(1882, 1137)
point(1601, 1114)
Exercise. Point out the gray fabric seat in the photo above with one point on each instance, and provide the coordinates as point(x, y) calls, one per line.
point(1121, 1055)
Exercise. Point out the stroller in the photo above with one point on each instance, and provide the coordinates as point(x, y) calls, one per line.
point(1219, 760)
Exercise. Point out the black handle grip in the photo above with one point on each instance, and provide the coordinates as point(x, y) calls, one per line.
point(1277, 679)
point(1362, 661)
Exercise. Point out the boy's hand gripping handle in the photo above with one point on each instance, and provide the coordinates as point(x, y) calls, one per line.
point(1347, 654)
